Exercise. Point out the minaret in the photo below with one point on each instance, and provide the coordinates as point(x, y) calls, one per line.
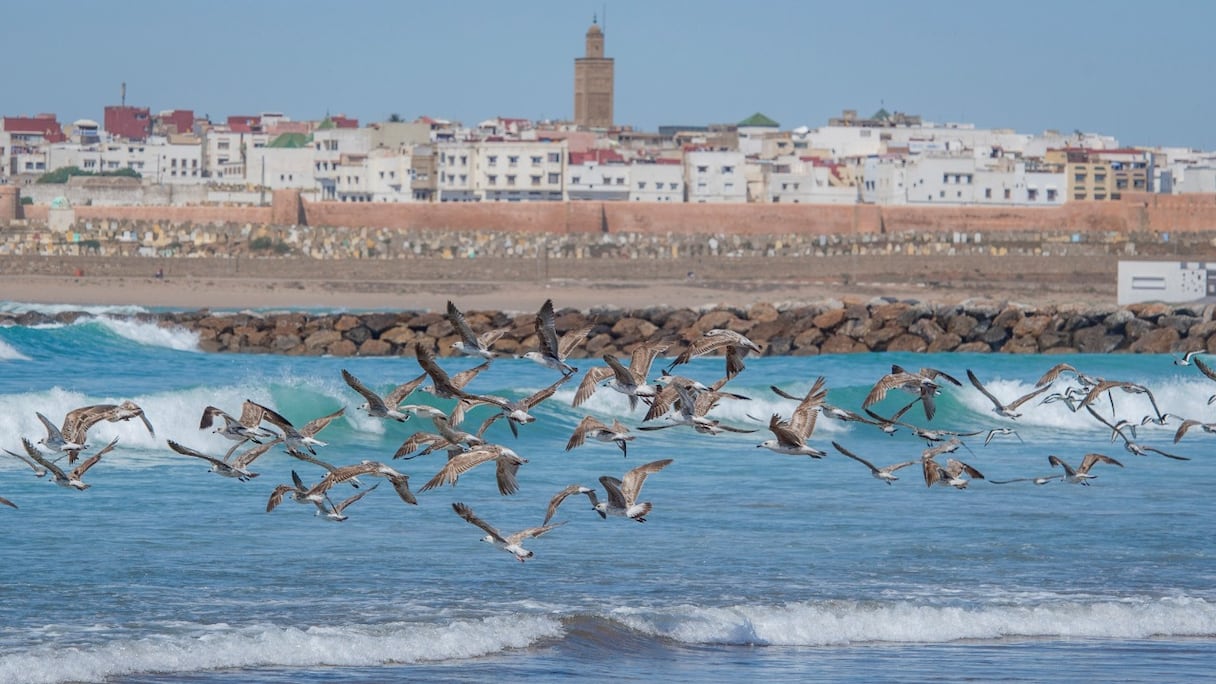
point(593, 83)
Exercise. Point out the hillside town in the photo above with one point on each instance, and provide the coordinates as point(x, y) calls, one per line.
point(176, 156)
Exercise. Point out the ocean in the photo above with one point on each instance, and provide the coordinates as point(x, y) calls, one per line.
point(751, 566)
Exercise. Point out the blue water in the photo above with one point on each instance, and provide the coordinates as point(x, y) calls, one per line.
point(751, 566)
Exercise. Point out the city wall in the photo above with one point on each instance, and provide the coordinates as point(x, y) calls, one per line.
point(1140, 212)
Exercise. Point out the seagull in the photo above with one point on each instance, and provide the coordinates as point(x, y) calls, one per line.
point(509, 543)
point(6, 502)
point(951, 475)
point(673, 385)
point(885, 473)
point(300, 493)
point(1131, 388)
point(507, 465)
point(622, 494)
point(630, 381)
point(1081, 475)
point(238, 468)
point(1190, 423)
point(333, 512)
point(1208, 372)
point(1001, 431)
point(516, 411)
point(590, 427)
point(1006, 410)
point(301, 440)
point(736, 346)
point(922, 383)
point(1040, 480)
point(790, 436)
point(1128, 443)
point(70, 480)
point(1185, 359)
point(399, 481)
point(377, 406)
point(692, 412)
point(553, 352)
point(470, 343)
point(39, 471)
point(240, 430)
point(453, 439)
point(448, 387)
point(55, 440)
point(1059, 369)
point(77, 422)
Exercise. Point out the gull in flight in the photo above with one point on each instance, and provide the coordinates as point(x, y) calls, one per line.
point(630, 380)
point(735, 345)
point(590, 427)
point(1009, 410)
point(70, 480)
point(553, 352)
point(449, 387)
point(507, 464)
point(334, 512)
point(1081, 475)
point(923, 383)
point(301, 440)
point(470, 343)
point(789, 437)
point(517, 411)
point(237, 468)
point(622, 494)
point(378, 406)
point(885, 473)
point(511, 543)
point(240, 430)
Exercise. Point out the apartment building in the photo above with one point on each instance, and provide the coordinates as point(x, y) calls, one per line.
point(601, 175)
point(713, 176)
point(656, 180)
point(1104, 175)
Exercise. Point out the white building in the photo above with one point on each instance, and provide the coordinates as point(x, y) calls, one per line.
point(959, 181)
point(454, 165)
point(715, 176)
point(656, 181)
point(597, 175)
point(807, 180)
point(333, 151)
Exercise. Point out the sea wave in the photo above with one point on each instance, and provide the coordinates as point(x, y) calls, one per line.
point(833, 623)
point(10, 353)
point(52, 309)
point(148, 334)
point(194, 648)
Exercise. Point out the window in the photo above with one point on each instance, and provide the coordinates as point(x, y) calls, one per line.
point(555, 178)
point(492, 179)
point(728, 169)
point(492, 160)
point(575, 180)
point(607, 180)
point(513, 160)
point(510, 180)
point(536, 160)
point(987, 193)
point(555, 157)
point(1051, 194)
point(702, 169)
point(1079, 177)
point(536, 180)
point(1099, 178)
point(1032, 194)
point(1008, 193)
point(464, 160)
point(620, 181)
point(641, 185)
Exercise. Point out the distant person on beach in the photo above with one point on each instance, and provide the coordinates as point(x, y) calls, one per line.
point(160, 274)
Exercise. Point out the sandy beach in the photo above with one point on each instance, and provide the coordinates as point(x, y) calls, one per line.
point(193, 292)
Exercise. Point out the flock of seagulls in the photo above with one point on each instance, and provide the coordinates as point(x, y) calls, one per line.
point(671, 401)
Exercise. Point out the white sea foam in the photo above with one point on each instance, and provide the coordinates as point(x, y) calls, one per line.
point(52, 309)
point(200, 648)
point(847, 622)
point(10, 353)
point(149, 334)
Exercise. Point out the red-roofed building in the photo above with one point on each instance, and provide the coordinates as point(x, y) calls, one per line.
point(23, 141)
point(341, 121)
point(175, 121)
point(129, 123)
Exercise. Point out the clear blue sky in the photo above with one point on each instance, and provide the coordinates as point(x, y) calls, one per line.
point(1140, 71)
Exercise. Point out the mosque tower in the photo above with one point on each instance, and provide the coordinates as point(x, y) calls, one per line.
point(593, 83)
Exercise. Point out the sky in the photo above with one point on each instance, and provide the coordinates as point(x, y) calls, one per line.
point(1139, 71)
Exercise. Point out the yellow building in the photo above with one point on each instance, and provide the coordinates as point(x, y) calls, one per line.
point(1102, 175)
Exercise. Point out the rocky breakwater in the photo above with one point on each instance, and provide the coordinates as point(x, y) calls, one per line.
point(824, 327)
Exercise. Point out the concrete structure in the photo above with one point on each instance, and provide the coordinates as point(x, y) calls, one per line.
point(597, 175)
point(1103, 175)
point(593, 83)
point(512, 171)
point(22, 141)
point(1165, 281)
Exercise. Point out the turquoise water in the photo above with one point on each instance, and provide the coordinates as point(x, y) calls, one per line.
point(751, 566)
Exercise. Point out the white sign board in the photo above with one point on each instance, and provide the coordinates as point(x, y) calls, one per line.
point(1171, 282)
